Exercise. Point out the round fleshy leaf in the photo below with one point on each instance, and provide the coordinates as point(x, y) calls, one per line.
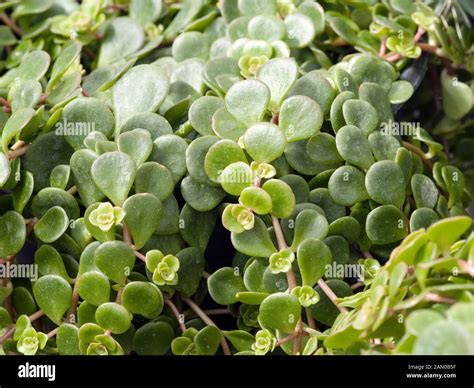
point(265, 27)
point(256, 199)
point(449, 230)
point(317, 87)
point(376, 96)
point(12, 233)
point(200, 196)
point(400, 92)
point(300, 118)
point(254, 242)
point(336, 115)
point(457, 96)
point(386, 224)
point(236, 177)
point(253, 8)
point(220, 155)
point(422, 218)
point(153, 338)
point(280, 311)
point(282, 198)
point(444, 338)
point(385, 183)
point(67, 340)
point(155, 179)
point(198, 226)
point(94, 288)
point(114, 173)
point(83, 116)
point(384, 146)
point(123, 36)
point(34, 66)
point(424, 191)
point(347, 227)
point(81, 164)
point(224, 284)
point(5, 169)
point(322, 149)
point(64, 61)
point(115, 259)
point(360, 114)
point(227, 126)
point(195, 155)
point(60, 176)
point(201, 113)
point(309, 224)
point(141, 89)
point(23, 190)
point(113, 317)
point(142, 298)
point(191, 44)
point(170, 151)
point(52, 225)
point(279, 75)
point(347, 186)
point(50, 262)
point(25, 94)
point(313, 256)
point(191, 266)
point(264, 142)
point(15, 124)
point(155, 124)
point(353, 146)
point(300, 29)
point(143, 213)
point(247, 101)
point(53, 295)
point(49, 197)
point(137, 144)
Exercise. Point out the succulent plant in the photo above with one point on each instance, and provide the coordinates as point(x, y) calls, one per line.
point(280, 156)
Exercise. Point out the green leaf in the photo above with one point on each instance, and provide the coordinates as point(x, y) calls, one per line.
point(325, 311)
point(252, 8)
point(81, 164)
point(419, 320)
point(52, 225)
point(12, 233)
point(236, 177)
point(227, 126)
point(386, 224)
point(50, 262)
point(15, 124)
point(34, 66)
point(445, 232)
point(300, 118)
point(241, 340)
point(264, 142)
point(170, 151)
point(457, 97)
point(282, 198)
point(115, 259)
point(224, 284)
point(300, 30)
point(444, 338)
point(25, 94)
point(186, 14)
point(202, 197)
point(114, 317)
point(65, 60)
point(145, 11)
point(220, 155)
point(141, 89)
point(254, 242)
point(153, 339)
point(313, 256)
point(347, 186)
point(143, 298)
point(94, 288)
point(247, 101)
point(317, 87)
point(143, 213)
point(353, 146)
point(191, 44)
point(197, 227)
point(207, 340)
point(137, 144)
point(280, 311)
point(53, 295)
point(191, 266)
point(321, 148)
point(422, 218)
point(309, 224)
point(462, 312)
point(201, 113)
point(49, 197)
point(361, 114)
point(400, 92)
point(251, 298)
point(376, 96)
point(424, 191)
point(67, 340)
point(94, 230)
point(385, 183)
point(122, 37)
point(114, 173)
point(279, 75)
point(155, 179)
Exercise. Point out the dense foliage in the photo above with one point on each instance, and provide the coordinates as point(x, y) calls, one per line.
point(329, 144)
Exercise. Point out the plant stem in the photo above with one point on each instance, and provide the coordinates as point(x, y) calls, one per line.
point(283, 341)
point(420, 153)
point(10, 24)
point(72, 190)
point(13, 154)
point(53, 333)
point(331, 295)
point(208, 321)
point(74, 300)
point(177, 314)
point(140, 256)
point(127, 238)
point(298, 338)
point(290, 275)
point(310, 319)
